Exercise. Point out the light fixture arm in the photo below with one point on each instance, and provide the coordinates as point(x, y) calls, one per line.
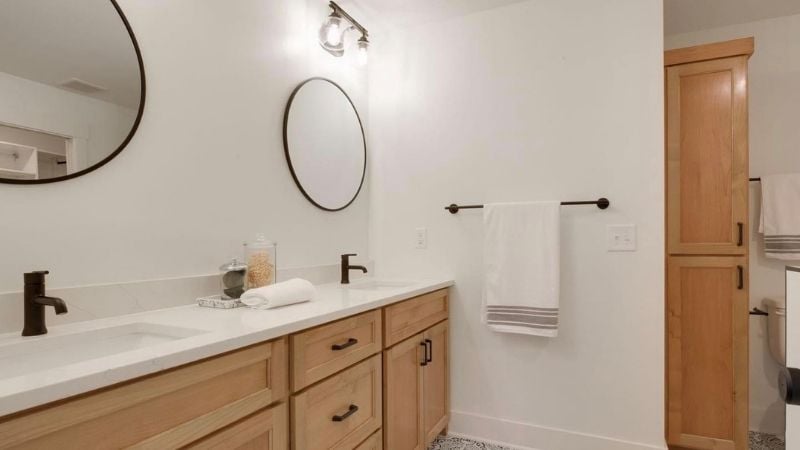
point(341, 12)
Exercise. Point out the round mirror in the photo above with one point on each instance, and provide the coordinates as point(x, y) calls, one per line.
point(324, 143)
point(71, 84)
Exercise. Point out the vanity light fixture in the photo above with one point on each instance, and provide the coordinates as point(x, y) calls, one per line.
point(332, 32)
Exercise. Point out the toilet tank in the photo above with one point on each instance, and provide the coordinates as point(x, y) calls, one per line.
point(776, 328)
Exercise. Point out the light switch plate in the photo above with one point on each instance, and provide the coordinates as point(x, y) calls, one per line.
point(621, 238)
point(421, 239)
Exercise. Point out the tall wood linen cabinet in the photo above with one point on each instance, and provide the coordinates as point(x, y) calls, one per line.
point(707, 246)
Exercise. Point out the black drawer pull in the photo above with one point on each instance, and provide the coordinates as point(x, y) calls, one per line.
point(740, 270)
point(350, 411)
point(740, 242)
point(350, 342)
point(429, 350)
point(424, 354)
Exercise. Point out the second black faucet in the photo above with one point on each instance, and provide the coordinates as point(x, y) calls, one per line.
point(346, 267)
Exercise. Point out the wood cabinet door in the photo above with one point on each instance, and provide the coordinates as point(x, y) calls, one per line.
point(402, 394)
point(707, 157)
point(707, 352)
point(436, 374)
point(341, 411)
point(264, 430)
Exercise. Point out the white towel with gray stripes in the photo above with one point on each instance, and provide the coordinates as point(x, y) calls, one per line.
point(780, 216)
point(521, 254)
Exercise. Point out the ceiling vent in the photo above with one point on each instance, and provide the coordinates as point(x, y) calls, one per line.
point(82, 86)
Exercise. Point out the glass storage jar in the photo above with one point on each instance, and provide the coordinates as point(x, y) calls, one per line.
point(232, 279)
point(261, 256)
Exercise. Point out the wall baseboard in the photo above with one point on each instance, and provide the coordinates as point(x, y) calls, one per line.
point(525, 436)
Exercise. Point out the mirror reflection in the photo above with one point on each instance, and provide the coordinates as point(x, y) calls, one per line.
point(71, 87)
point(324, 143)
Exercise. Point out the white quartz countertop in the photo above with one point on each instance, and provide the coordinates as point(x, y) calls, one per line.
point(223, 330)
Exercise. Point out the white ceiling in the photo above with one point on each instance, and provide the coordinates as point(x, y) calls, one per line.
point(53, 41)
point(681, 16)
point(412, 12)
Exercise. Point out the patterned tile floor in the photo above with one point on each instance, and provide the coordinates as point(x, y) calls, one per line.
point(764, 441)
point(758, 441)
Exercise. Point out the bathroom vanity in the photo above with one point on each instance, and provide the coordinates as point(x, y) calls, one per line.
point(364, 367)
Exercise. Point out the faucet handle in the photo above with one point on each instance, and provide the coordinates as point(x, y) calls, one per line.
point(36, 277)
point(346, 257)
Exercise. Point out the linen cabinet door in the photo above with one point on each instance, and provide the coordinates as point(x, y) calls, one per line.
point(707, 352)
point(707, 157)
point(436, 392)
point(402, 394)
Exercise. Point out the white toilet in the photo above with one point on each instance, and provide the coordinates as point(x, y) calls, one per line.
point(776, 328)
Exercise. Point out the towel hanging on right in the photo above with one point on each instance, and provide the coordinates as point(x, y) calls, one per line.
point(521, 251)
point(780, 216)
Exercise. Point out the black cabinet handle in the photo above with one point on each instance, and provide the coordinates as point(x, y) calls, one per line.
point(429, 350)
point(740, 242)
point(350, 411)
point(424, 354)
point(350, 342)
point(740, 271)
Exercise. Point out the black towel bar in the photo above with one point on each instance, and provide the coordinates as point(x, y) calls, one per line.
point(602, 203)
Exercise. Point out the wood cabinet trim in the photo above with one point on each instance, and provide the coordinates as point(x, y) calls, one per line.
point(717, 50)
point(19, 429)
point(272, 421)
point(304, 375)
point(302, 407)
point(739, 193)
point(398, 326)
point(740, 354)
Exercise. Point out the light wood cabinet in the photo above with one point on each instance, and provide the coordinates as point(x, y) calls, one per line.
point(265, 430)
point(322, 351)
point(374, 442)
point(341, 411)
point(707, 154)
point(167, 410)
point(707, 246)
point(416, 389)
point(707, 352)
point(402, 393)
point(436, 376)
point(405, 319)
point(340, 376)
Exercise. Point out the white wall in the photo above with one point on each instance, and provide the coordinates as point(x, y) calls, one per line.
point(774, 148)
point(537, 100)
point(206, 169)
point(99, 126)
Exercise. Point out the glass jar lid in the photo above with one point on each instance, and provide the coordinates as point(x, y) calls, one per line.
point(233, 266)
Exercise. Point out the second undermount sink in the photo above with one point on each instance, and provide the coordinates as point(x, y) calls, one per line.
point(49, 352)
point(371, 284)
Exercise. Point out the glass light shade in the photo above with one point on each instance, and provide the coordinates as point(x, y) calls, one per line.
point(331, 35)
point(363, 51)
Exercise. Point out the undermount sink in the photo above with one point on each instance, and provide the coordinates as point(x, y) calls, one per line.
point(49, 352)
point(370, 285)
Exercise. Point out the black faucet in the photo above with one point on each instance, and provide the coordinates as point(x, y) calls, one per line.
point(346, 268)
point(35, 301)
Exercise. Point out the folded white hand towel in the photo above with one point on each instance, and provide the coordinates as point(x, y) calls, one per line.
point(296, 290)
point(780, 216)
point(521, 267)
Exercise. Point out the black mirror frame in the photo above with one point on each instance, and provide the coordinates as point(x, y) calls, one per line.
point(133, 128)
point(289, 158)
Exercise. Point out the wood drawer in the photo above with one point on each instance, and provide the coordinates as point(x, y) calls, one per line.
point(313, 411)
point(169, 409)
point(374, 442)
point(325, 350)
point(405, 319)
point(267, 429)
